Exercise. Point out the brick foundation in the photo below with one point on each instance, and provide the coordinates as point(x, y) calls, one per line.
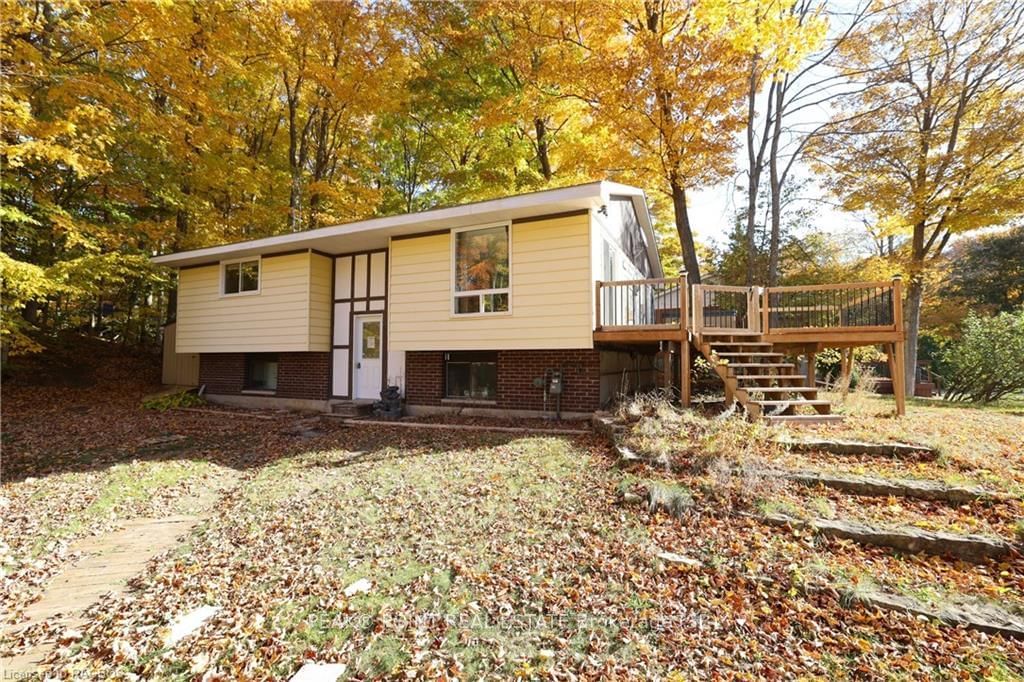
point(581, 372)
point(299, 375)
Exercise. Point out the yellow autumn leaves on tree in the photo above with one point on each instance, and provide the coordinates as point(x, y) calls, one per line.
point(131, 128)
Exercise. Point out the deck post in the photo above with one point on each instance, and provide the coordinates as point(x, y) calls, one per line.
point(764, 310)
point(899, 385)
point(899, 388)
point(684, 344)
point(597, 305)
point(811, 359)
point(845, 365)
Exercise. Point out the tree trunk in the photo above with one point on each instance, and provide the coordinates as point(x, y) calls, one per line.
point(912, 321)
point(776, 190)
point(685, 233)
point(754, 161)
point(295, 190)
point(773, 245)
point(543, 156)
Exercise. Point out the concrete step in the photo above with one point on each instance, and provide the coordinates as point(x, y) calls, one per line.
point(351, 408)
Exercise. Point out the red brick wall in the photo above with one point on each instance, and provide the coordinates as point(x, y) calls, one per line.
point(581, 375)
point(304, 375)
point(424, 377)
point(223, 373)
point(299, 375)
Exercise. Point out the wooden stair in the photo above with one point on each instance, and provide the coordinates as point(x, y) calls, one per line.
point(761, 380)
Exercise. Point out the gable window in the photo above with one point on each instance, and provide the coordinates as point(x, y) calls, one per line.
point(471, 375)
point(261, 372)
point(481, 270)
point(241, 276)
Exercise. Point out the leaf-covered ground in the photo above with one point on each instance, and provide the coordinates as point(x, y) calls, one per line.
point(489, 555)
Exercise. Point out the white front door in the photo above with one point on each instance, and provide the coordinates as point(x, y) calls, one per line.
point(367, 339)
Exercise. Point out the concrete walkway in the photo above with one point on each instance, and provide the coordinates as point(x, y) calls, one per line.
point(110, 561)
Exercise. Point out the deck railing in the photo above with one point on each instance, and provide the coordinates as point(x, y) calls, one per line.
point(718, 308)
point(660, 304)
point(642, 304)
point(860, 306)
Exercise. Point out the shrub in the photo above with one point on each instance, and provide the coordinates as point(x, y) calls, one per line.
point(170, 401)
point(987, 362)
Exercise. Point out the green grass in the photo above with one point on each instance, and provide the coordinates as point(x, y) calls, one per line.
point(122, 485)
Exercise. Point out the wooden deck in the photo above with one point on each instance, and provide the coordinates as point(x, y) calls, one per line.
point(724, 322)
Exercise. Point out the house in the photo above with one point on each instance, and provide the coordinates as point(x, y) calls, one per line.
point(549, 302)
point(489, 305)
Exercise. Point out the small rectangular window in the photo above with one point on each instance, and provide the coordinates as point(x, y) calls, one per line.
point(242, 276)
point(471, 375)
point(261, 372)
point(481, 270)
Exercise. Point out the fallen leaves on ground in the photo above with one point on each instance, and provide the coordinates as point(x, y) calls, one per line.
point(475, 555)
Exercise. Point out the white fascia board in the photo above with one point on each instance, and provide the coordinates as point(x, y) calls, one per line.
point(577, 195)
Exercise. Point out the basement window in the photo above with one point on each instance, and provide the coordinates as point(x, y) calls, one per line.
point(480, 278)
point(261, 372)
point(240, 277)
point(471, 375)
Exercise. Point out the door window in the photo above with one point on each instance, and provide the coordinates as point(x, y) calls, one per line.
point(371, 340)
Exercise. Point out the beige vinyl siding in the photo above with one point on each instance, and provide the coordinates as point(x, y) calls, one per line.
point(551, 293)
point(320, 302)
point(278, 318)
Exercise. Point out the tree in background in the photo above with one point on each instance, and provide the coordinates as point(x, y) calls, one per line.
point(796, 81)
point(935, 144)
point(989, 269)
point(665, 77)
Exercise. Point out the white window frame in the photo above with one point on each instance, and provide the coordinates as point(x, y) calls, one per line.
point(259, 276)
point(452, 310)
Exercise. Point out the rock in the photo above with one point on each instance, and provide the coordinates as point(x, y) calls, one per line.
point(679, 559)
point(631, 498)
point(882, 487)
point(189, 623)
point(849, 447)
point(627, 458)
point(982, 617)
point(974, 548)
point(360, 586)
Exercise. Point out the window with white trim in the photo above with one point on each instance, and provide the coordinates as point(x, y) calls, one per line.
point(240, 277)
point(481, 270)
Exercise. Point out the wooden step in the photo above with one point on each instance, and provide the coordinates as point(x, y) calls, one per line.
point(743, 365)
point(760, 377)
point(794, 403)
point(803, 418)
point(743, 344)
point(777, 389)
point(751, 353)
